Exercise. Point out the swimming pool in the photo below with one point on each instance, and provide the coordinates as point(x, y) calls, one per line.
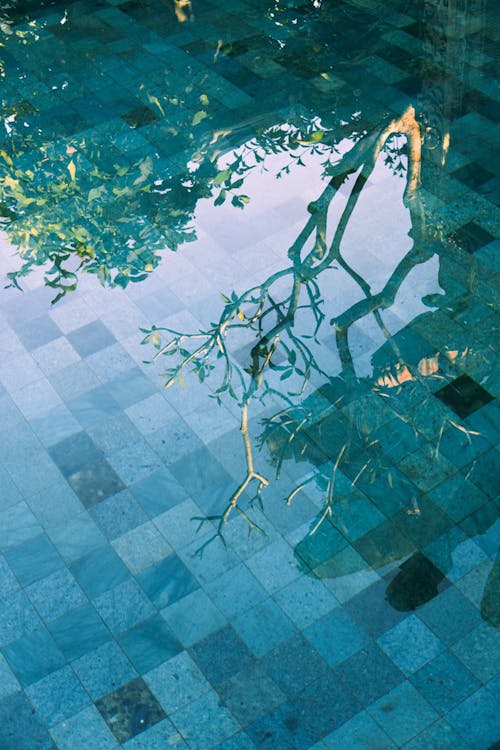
point(285, 213)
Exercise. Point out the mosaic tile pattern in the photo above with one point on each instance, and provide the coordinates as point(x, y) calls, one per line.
point(378, 631)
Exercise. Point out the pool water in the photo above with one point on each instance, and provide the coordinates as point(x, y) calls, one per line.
point(248, 376)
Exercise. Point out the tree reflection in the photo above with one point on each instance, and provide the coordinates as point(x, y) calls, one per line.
point(77, 206)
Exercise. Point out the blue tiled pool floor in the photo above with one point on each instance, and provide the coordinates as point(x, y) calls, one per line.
point(374, 630)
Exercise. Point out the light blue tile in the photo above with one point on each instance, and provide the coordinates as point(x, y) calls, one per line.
point(34, 656)
point(8, 582)
point(177, 682)
point(17, 524)
point(236, 591)
point(336, 636)
point(103, 670)
point(17, 618)
point(204, 723)
point(476, 719)
point(439, 736)
point(79, 631)
point(150, 643)
point(56, 594)
point(480, 651)
point(410, 644)
point(124, 606)
point(193, 617)
point(263, 627)
point(55, 505)
point(84, 730)
point(58, 696)
point(305, 600)
point(444, 682)
point(359, 733)
point(99, 571)
point(118, 514)
point(33, 559)
point(76, 536)
point(402, 713)
point(274, 566)
point(8, 681)
point(167, 581)
point(158, 492)
point(157, 737)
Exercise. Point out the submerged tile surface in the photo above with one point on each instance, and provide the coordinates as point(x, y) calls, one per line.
point(353, 600)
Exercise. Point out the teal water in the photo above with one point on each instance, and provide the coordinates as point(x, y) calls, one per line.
point(287, 214)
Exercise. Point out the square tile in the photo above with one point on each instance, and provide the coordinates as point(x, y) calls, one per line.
point(209, 484)
point(476, 719)
point(76, 536)
point(305, 600)
point(56, 594)
point(20, 727)
point(221, 655)
point(33, 656)
point(479, 650)
point(93, 407)
point(322, 706)
point(177, 682)
point(131, 387)
point(316, 549)
point(157, 737)
point(167, 581)
point(294, 664)
point(158, 492)
point(250, 694)
point(464, 395)
point(383, 545)
point(104, 669)
point(193, 617)
point(124, 606)
point(91, 338)
point(263, 627)
point(142, 547)
point(75, 453)
point(410, 644)
point(130, 710)
point(403, 713)
point(118, 514)
point(336, 636)
point(444, 682)
point(204, 722)
point(362, 733)
point(58, 696)
point(274, 565)
point(37, 332)
point(17, 617)
point(471, 237)
point(95, 483)
point(79, 631)
point(113, 433)
point(56, 425)
point(83, 730)
point(99, 571)
point(236, 591)
point(33, 559)
point(369, 674)
point(450, 615)
point(150, 643)
point(8, 681)
point(278, 730)
point(17, 524)
point(55, 504)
